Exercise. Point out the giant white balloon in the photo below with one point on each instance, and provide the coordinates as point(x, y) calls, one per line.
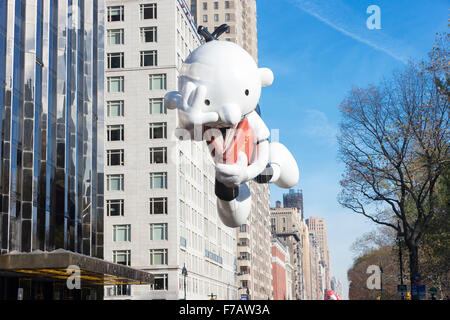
point(219, 88)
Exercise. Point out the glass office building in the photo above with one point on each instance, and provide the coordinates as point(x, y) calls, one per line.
point(51, 128)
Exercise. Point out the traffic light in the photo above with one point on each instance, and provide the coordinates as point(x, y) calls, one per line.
point(408, 295)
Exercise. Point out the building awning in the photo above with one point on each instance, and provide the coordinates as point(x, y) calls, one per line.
point(54, 265)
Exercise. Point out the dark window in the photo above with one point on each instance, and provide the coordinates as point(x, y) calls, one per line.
point(149, 58)
point(115, 13)
point(148, 11)
point(114, 207)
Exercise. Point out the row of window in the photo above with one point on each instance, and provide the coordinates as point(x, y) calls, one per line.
point(156, 82)
point(115, 157)
point(122, 232)
point(117, 36)
point(147, 11)
point(115, 182)
point(157, 130)
point(216, 18)
point(147, 59)
point(161, 283)
point(115, 108)
point(115, 207)
point(157, 257)
point(216, 5)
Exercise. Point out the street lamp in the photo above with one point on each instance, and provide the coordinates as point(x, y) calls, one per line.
point(400, 260)
point(184, 273)
point(381, 282)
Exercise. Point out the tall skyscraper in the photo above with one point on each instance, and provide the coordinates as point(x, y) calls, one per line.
point(160, 212)
point(318, 227)
point(254, 251)
point(294, 199)
point(51, 168)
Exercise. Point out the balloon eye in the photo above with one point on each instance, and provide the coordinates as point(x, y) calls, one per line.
point(247, 92)
point(207, 102)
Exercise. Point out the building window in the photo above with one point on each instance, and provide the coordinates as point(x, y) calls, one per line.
point(119, 290)
point(115, 13)
point(227, 17)
point(114, 207)
point(216, 5)
point(115, 84)
point(115, 60)
point(148, 11)
point(122, 232)
point(205, 5)
point(115, 36)
point(227, 4)
point(158, 130)
point(158, 155)
point(158, 205)
point(205, 18)
point(158, 81)
point(156, 106)
point(115, 132)
point(114, 182)
point(161, 282)
point(114, 108)
point(158, 231)
point(115, 157)
point(158, 256)
point(122, 257)
point(149, 58)
point(216, 17)
point(158, 180)
point(148, 34)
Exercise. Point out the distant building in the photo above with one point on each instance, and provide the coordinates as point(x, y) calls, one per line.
point(286, 226)
point(318, 227)
point(239, 15)
point(314, 255)
point(294, 199)
point(280, 258)
point(336, 286)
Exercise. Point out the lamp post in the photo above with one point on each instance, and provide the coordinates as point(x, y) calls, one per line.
point(381, 282)
point(184, 273)
point(400, 260)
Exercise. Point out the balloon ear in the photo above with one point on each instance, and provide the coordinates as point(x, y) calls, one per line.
point(266, 76)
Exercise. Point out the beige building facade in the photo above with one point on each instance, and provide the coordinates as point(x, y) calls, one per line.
point(240, 15)
point(318, 227)
point(286, 225)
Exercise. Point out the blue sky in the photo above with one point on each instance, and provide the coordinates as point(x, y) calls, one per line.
point(318, 50)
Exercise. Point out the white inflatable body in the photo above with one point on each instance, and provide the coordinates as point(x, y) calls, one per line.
point(219, 88)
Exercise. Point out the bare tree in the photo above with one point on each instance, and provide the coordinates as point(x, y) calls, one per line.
point(394, 142)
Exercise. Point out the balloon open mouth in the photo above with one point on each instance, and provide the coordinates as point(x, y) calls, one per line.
point(224, 125)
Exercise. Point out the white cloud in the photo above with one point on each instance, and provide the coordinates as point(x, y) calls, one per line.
point(316, 124)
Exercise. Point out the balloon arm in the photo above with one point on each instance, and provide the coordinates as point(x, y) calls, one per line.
point(172, 100)
point(261, 161)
